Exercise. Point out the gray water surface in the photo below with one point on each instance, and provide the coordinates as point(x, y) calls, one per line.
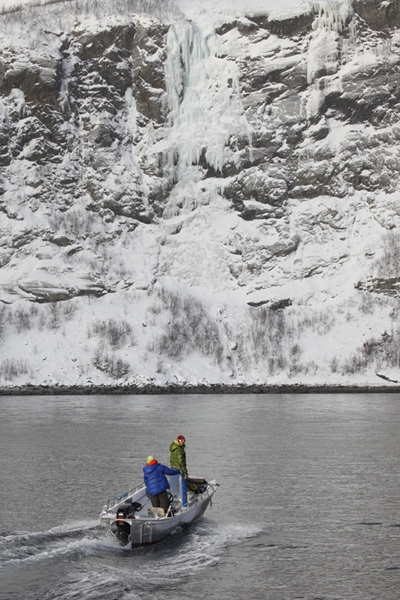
point(308, 504)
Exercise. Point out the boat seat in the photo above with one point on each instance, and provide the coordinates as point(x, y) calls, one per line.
point(154, 511)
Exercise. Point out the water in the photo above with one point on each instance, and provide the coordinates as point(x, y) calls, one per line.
point(307, 506)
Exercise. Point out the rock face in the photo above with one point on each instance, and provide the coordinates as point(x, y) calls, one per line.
point(67, 116)
point(127, 142)
point(380, 16)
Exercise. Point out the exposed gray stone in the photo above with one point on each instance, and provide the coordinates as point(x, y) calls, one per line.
point(379, 15)
point(41, 291)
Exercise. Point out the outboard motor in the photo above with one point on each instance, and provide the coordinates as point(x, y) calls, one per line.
point(120, 527)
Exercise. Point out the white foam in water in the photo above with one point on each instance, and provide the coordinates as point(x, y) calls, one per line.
point(75, 526)
point(28, 554)
point(21, 548)
point(65, 528)
point(197, 549)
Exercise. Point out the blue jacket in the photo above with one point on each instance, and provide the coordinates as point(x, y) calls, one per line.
point(154, 478)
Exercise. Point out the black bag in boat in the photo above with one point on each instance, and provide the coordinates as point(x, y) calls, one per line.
point(124, 511)
point(127, 510)
point(196, 485)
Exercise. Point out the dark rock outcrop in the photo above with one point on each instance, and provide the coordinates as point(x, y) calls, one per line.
point(379, 15)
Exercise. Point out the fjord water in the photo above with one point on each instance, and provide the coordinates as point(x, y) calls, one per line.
point(308, 504)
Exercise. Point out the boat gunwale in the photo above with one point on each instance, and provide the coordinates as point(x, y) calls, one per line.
point(121, 499)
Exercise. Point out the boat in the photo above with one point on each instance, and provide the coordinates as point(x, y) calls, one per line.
point(133, 520)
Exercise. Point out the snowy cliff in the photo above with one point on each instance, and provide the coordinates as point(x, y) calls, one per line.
point(199, 193)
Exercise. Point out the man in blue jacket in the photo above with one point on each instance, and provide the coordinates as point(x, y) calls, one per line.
point(156, 482)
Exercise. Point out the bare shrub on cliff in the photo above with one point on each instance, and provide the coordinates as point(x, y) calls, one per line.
point(22, 320)
point(69, 308)
point(63, 14)
point(190, 329)
point(54, 315)
point(110, 364)
point(2, 320)
point(76, 222)
point(115, 333)
point(260, 338)
point(318, 321)
point(12, 368)
point(375, 353)
point(388, 265)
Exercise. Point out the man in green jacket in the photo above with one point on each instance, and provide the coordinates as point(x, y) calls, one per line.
point(178, 455)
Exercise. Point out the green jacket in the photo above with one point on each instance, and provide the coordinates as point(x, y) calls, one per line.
point(178, 457)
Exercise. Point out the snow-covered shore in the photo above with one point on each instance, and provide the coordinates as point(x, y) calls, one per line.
point(390, 387)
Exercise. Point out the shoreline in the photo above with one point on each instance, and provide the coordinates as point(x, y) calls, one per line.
point(218, 389)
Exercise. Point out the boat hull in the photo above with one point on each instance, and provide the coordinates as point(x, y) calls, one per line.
point(145, 532)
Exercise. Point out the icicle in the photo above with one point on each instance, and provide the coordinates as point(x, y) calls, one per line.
point(132, 110)
point(324, 46)
point(333, 14)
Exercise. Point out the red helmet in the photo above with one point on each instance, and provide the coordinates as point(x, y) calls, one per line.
point(181, 438)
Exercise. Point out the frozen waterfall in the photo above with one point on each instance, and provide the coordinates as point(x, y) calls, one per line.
point(204, 104)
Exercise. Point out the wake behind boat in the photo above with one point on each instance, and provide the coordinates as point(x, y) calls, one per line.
point(135, 521)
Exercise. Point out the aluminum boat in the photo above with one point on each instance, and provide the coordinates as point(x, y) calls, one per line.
point(133, 520)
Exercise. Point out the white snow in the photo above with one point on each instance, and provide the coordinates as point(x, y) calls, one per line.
point(196, 6)
point(193, 272)
point(193, 8)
